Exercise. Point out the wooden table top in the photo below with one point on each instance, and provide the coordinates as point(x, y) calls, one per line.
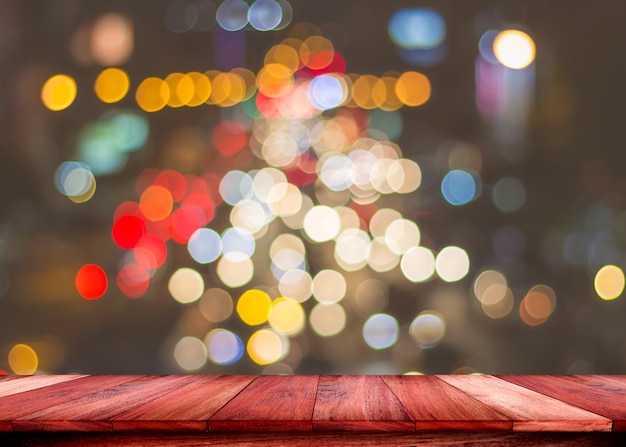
point(374, 405)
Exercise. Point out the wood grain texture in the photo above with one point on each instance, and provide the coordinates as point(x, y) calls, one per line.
point(184, 409)
point(422, 439)
point(16, 406)
point(358, 403)
point(529, 410)
point(602, 395)
point(435, 405)
point(101, 405)
point(270, 403)
point(20, 384)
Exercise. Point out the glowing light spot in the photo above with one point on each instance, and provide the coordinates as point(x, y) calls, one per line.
point(418, 264)
point(152, 94)
point(266, 346)
point(128, 231)
point(254, 307)
point(381, 257)
point(413, 88)
point(156, 203)
point(401, 235)
point(327, 319)
point(181, 88)
point(381, 220)
point(286, 316)
point(336, 172)
point(417, 28)
point(329, 286)
point(186, 285)
point(185, 221)
point(112, 40)
point(91, 281)
point(112, 85)
point(537, 306)
point(296, 284)
point(514, 49)
point(235, 186)
point(490, 287)
point(23, 359)
point(322, 223)
point(458, 187)
point(265, 15)
point(224, 346)
point(235, 273)
point(232, 15)
point(58, 92)
point(327, 92)
point(275, 80)
point(352, 249)
point(204, 245)
point(76, 181)
point(404, 176)
point(609, 282)
point(237, 244)
point(133, 280)
point(427, 329)
point(201, 89)
point(216, 305)
point(229, 137)
point(452, 264)
point(508, 194)
point(380, 331)
point(190, 353)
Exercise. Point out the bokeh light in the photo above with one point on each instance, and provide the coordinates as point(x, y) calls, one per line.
point(452, 264)
point(459, 187)
point(58, 92)
point(128, 231)
point(327, 319)
point(417, 28)
point(286, 316)
point(413, 89)
point(508, 194)
point(205, 245)
point(190, 353)
point(224, 347)
point(514, 49)
point(609, 282)
point(186, 285)
point(266, 346)
point(418, 264)
point(23, 359)
point(216, 305)
point(322, 223)
point(428, 329)
point(265, 15)
point(152, 94)
point(112, 85)
point(232, 15)
point(329, 286)
point(380, 331)
point(91, 281)
point(254, 306)
point(112, 39)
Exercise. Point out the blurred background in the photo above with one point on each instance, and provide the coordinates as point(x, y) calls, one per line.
point(286, 186)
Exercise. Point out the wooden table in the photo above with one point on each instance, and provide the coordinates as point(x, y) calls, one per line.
point(194, 410)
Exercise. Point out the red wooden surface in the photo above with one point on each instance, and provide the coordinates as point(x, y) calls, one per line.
point(223, 408)
point(605, 396)
point(530, 411)
point(435, 405)
point(358, 403)
point(270, 403)
point(184, 409)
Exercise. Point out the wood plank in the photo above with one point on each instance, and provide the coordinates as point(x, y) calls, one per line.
point(358, 403)
point(320, 439)
point(185, 409)
point(603, 395)
point(270, 403)
point(530, 411)
point(15, 406)
point(101, 405)
point(435, 405)
point(21, 384)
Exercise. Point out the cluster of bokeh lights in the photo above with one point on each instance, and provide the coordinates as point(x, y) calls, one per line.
point(325, 163)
